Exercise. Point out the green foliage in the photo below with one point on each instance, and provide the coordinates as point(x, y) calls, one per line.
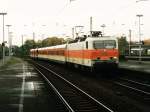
point(17, 51)
point(122, 42)
point(6, 51)
point(29, 44)
point(39, 43)
point(52, 41)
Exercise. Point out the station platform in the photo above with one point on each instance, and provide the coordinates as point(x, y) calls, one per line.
point(143, 66)
point(21, 89)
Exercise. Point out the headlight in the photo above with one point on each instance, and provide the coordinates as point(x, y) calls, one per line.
point(115, 58)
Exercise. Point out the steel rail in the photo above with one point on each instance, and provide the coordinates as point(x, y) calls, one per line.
point(135, 89)
point(143, 84)
point(57, 92)
point(98, 102)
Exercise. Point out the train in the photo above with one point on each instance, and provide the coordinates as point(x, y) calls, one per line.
point(90, 52)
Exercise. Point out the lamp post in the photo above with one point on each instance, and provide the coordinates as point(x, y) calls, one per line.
point(43, 34)
point(3, 14)
point(91, 25)
point(139, 16)
point(9, 40)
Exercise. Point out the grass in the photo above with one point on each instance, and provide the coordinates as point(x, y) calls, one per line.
point(11, 61)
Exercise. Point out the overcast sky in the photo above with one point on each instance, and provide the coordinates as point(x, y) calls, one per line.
point(57, 17)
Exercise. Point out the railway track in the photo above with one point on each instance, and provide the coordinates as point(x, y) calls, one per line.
point(134, 85)
point(142, 90)
point(105, 90)
point(74, 99)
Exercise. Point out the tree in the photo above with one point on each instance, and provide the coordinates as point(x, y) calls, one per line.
point(39, 44)
point(51, 41)
point(122, 43)
point(6, 51)
point(17, 51)
point(29, 44)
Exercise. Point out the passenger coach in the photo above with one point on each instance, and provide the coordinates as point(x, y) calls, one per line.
point(90, 52)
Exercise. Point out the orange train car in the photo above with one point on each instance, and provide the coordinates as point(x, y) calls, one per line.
point(92, 52)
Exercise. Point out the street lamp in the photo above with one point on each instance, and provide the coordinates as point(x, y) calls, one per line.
point(9, 40)
point(3, 14)
point(139, 16)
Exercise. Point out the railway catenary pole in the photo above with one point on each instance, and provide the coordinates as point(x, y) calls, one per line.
point(22, 45)
point(139, 16)
point(9, 40)
point(130, 42)
point(73, 33)
point(91, 24)
point(103, 26)
point(3, 43)
point(43, 34)
point(77, 32)
point(10, 33)
point(33, 39)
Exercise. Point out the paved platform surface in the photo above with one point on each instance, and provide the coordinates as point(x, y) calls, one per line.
point(22, 90)
point(143, 66)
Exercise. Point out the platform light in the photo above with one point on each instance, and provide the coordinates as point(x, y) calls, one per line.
point(139, 16)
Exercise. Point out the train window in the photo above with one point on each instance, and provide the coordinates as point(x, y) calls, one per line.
point(86, 44)
point(109, 44)
point(98, 44)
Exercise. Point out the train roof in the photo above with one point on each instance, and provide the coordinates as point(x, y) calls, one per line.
point(102, 38)
point(87, 39)
point(53, 47)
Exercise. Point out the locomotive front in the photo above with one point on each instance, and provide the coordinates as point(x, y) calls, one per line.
point(105, 52)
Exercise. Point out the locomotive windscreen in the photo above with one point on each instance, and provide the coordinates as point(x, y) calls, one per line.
point(102, 44)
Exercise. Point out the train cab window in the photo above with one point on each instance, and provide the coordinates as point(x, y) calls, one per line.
point(108, 44)
point(86, 44)
point(98, 44)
